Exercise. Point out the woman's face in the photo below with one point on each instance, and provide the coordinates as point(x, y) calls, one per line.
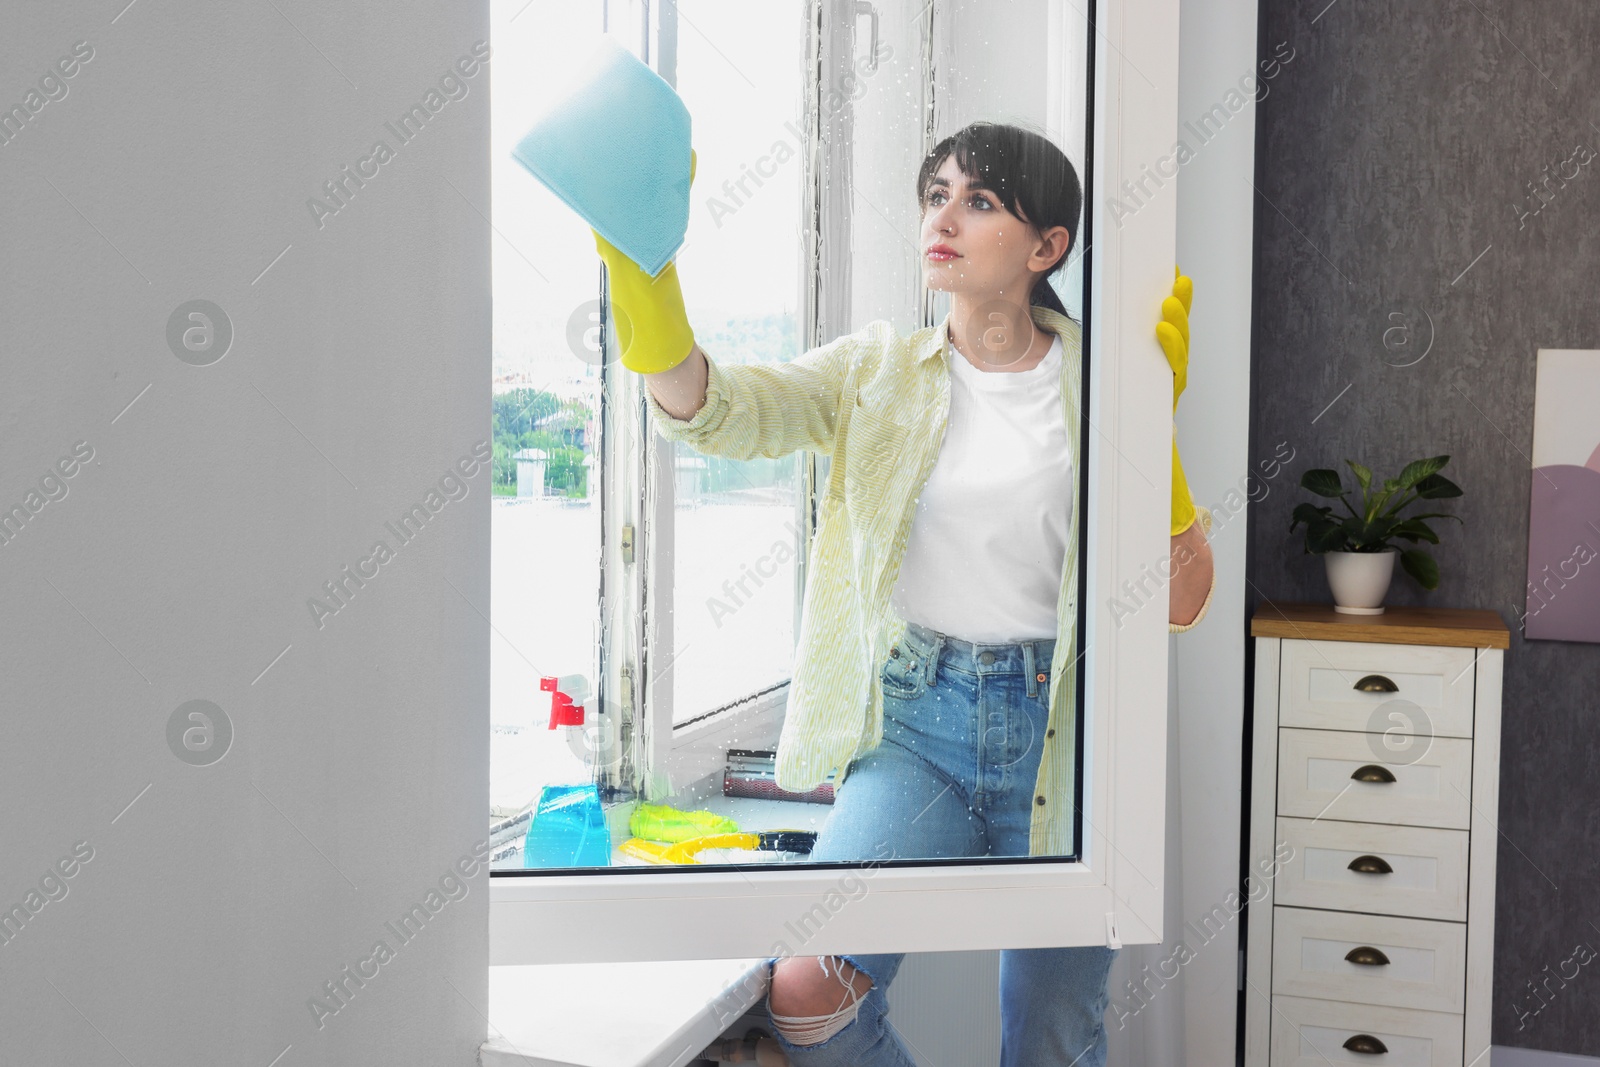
point(996, 255)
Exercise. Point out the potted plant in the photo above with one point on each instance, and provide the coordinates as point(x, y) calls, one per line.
point(1357, 547)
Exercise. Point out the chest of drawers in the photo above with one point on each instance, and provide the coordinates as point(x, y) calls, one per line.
point(1373, 797)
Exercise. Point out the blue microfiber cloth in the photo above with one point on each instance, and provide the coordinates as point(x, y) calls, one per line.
point(616, 150)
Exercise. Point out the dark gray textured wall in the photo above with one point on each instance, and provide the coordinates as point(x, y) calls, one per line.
point(1394, 157)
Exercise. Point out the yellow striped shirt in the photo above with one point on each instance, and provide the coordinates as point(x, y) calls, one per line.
point(878, 403)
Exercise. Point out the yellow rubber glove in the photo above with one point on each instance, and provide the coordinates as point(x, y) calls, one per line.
point(1173, 333)
point(652, 327)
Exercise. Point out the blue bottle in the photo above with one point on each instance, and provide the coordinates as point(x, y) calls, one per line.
point(568, 828)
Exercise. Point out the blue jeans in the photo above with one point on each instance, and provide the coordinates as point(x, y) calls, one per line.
point(954, 776)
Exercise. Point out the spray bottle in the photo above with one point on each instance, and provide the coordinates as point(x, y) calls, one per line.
point(568, 828)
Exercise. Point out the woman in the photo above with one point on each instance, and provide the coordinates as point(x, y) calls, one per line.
point(951, 502)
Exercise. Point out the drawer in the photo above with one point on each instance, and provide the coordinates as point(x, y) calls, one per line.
point(1431, 692)
point(1312, 1033)
point(1369, 959)
point(1426, 877)
point(1323, 773)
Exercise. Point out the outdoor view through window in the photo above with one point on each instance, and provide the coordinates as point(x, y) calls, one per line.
point(648, 670)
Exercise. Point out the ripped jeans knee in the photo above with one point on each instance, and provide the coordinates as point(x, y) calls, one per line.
point(815, 1029)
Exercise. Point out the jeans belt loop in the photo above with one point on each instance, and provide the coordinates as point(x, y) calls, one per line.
point(1027, 668)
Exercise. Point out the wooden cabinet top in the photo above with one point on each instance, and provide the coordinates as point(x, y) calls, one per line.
point(1460, 627)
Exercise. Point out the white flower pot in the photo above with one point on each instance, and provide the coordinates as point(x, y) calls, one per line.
point(1359, 580)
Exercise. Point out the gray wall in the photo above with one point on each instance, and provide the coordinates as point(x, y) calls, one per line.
point(1395, 148)
point(213, 503)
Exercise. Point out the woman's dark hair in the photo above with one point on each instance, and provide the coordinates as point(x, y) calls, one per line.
point(1022, 167)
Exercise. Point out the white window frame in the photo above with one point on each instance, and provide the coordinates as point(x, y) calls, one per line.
point(1113, 893)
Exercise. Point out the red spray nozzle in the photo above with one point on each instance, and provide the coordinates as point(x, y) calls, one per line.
point(563, 712)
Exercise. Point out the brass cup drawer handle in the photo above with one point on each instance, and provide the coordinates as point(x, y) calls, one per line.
point(1365, 1043)
point(1370, 865)
point(1367, 956)
point(1376, 683)
point(1372, 772)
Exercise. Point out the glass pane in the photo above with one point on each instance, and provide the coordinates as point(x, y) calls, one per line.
point(976, 592)
point(978, 738)
point(955, 696)
point(545, 528)
point(970, 715)
point(739, 68)
point(1026, 66)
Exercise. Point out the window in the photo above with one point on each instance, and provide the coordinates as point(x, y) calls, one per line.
point(739, 525)
point(639, 597)
point(545, 519)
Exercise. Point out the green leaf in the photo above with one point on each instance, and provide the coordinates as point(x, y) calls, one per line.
point(1375, 505)
point(1420, 566)
point(1437, 487)
point(1322, 482)
point(1329, 538)
point(1376, 530)
point(1310, 514)
point(1414, 530)
point(1419, 469)
point(1360, 534)
point(1363, 474)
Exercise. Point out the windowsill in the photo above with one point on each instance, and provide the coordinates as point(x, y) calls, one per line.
point(755, 814)
point(615, 1014)
point(660, 1014)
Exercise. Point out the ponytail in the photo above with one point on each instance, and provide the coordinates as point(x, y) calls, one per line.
point(1045, 295)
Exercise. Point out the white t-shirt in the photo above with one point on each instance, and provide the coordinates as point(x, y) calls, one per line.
point(989, 538)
